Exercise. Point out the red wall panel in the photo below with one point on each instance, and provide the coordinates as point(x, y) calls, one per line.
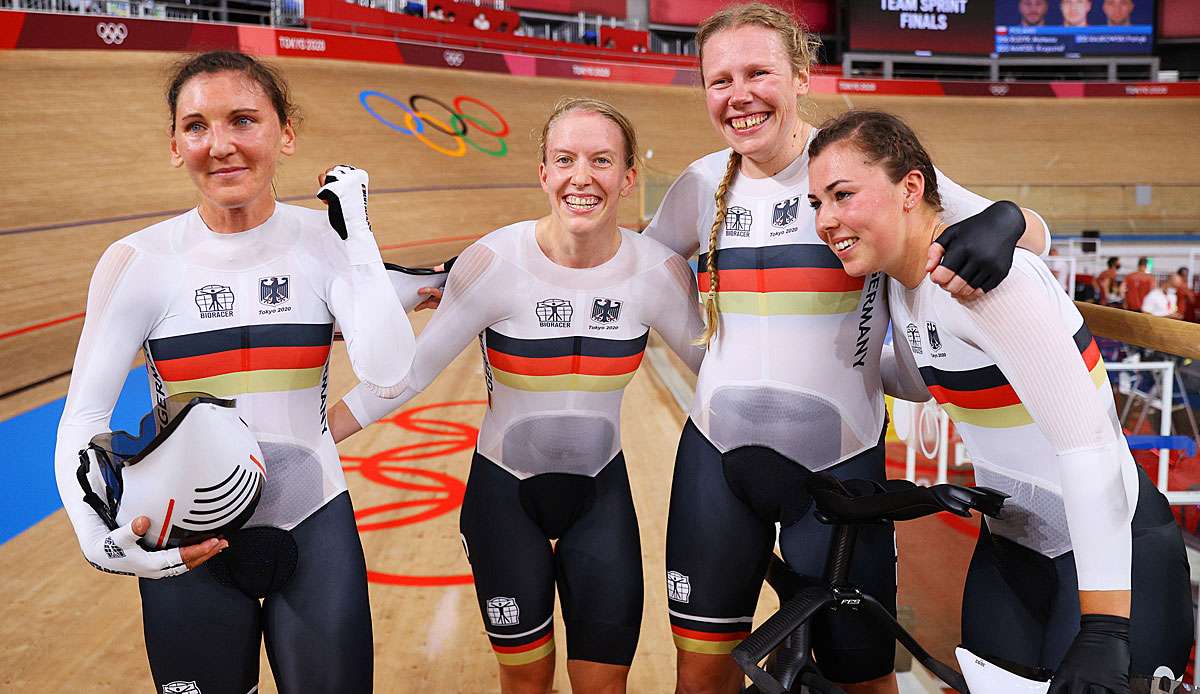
point(1178, 19)
point(464, 15)
point(608, 8)
point(818, 14)
point(624, 39)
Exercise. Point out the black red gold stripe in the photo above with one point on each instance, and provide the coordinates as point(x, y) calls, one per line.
point(782, 280)
point(563, 363)
point(531, 651)
point(252, 358)
point(984, 396)
point(706, 642)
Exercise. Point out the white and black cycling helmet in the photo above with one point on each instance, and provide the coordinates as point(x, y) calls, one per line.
point(194, 469)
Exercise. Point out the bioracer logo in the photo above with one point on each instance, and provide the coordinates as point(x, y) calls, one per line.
point(554, 313)
point(679, 587)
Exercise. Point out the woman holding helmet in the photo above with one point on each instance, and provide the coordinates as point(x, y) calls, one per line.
point(237, 298)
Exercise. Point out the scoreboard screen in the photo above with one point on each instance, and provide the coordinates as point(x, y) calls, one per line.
point(1074, 27)
point(923, 27)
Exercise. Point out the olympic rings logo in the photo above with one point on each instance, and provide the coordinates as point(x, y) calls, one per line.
point(110, 33)
point(418, 123)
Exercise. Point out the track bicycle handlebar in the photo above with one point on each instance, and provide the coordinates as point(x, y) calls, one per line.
point(846, 505)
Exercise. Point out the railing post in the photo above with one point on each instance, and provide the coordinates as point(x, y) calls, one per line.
point(1164, 423)
point(943, 446)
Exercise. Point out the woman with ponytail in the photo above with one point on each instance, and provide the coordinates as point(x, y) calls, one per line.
point(794, 375)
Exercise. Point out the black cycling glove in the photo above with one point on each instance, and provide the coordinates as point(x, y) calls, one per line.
point(1098, 660)
point(980, 249)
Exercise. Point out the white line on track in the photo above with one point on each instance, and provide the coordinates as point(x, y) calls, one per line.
point(444, 622)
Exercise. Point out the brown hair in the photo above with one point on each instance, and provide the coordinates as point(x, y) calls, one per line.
point(801, 48)
point(265, 76)
point(565, 106)
point(885, 140)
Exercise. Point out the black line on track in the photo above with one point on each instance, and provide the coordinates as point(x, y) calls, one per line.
point(35, 384)
point(290, 198)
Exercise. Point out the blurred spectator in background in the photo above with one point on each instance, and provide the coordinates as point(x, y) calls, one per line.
point(1137, 285)
point(1075, 12)
point(503, 28)
point(1162, 300)
point(521, 31)
point(1118, 12)
point(609, 43)
point(1184, 295)
point(1033, 12)
point(1059, 271)
point(451, 17)
point(1106, 282)
point(481, 22)
point(437, 13)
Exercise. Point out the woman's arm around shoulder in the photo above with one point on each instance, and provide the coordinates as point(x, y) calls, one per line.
point(475, 298)
point(682, 211)
point(678, 317)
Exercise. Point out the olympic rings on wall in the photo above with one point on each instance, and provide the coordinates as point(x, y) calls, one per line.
point(457, 125)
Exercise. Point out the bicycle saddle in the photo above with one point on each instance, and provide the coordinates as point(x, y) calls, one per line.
point(863, 501)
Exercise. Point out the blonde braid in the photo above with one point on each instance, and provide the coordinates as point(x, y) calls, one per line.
point(711, 311)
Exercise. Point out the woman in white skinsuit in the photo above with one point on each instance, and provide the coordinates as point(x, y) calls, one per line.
point(562, 308)
point(1084, 572)
point(237, 298)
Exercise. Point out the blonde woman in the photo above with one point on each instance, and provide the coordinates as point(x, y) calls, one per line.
point(562, 307)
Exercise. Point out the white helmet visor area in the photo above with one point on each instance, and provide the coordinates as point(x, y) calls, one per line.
point(986, 677)
point(994, 676)
point(194, 469)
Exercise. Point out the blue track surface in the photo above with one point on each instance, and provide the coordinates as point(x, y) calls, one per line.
point(29, 492)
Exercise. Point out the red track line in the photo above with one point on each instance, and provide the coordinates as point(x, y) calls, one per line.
point(39, 326)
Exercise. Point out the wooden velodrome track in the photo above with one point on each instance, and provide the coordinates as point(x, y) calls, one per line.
point(83, 141)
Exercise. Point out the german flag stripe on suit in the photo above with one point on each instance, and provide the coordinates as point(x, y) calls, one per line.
point(985, 398)
point(243, 359)
point(533, 650)
point(706, 642)
point(563, 363)
point(793, 279)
